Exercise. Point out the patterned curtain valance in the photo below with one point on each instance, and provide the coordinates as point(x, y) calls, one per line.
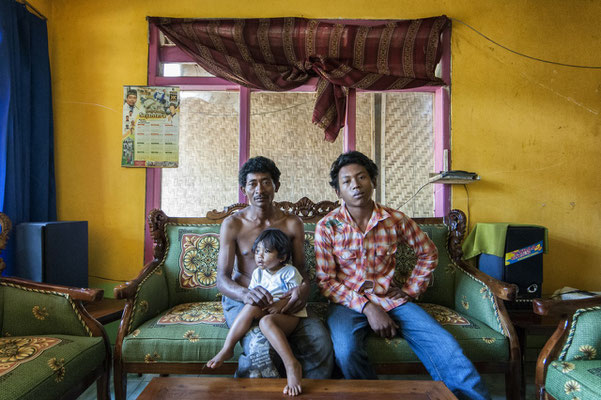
point(280, 54)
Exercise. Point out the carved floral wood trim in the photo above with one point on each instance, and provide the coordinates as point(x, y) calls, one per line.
point(456, 222)
point(304, 208)
point(156, 223)
point(6, 227)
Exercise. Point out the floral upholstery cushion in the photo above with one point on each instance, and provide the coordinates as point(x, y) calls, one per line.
point(195, 332)
point(197, 260)
point(38, 312)
point(474, 298)
point(15, 351)
point(584, 338)
point(190, 262)
point(46, 367)
point(478, 341)
point(574, 380)
point(190, 332)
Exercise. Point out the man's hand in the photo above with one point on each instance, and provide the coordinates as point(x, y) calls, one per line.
point(276, 308)
point(396, 293)
point(297, 298)
point(379, 321)
point(259, 297)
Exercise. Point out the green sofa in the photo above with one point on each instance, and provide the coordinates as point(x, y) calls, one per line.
point(569, 365)
point(173, 321)
point(50, 347)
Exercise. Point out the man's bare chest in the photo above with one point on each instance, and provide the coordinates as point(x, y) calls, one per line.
point(247, 236)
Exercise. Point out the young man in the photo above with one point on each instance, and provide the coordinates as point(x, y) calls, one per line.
point(355, 246)
point(259, 180)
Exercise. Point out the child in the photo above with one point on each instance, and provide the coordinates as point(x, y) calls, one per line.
point(272, 250)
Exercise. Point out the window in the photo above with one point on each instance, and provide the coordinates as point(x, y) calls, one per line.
point(223, 124)
point(207, 176)
point(396, 129)
point(281, 129)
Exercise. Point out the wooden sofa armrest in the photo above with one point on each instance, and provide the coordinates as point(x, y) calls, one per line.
point(81, 294)
point(563, 307)
point(128, 289)
point(502, 290)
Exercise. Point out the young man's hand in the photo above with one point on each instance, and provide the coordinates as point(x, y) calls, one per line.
point(258, 296)
point(379, 321)
point(396, 293)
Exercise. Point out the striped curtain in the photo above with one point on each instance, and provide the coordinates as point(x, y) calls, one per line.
point(280, 54)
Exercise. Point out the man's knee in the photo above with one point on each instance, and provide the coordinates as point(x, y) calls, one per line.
point(349, 352)
point(311, 339)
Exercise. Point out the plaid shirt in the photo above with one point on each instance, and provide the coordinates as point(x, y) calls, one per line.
point(354, 268)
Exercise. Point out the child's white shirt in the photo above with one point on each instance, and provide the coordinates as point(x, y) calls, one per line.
point(278, 283)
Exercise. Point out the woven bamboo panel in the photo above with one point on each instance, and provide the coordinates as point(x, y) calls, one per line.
point(364, 125)
point(404, 128)
point(281, 129)
point(408, 152)
point(207, 177)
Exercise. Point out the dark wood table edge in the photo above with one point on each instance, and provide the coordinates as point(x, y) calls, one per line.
point(436, 390)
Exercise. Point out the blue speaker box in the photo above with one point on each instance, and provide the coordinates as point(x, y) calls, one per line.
point(53, 252)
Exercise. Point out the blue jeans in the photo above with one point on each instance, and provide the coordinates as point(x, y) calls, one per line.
point(310, 343)
point(434, 346)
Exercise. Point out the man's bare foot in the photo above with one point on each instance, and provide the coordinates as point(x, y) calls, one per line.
point(294, 375)
point(217, 361)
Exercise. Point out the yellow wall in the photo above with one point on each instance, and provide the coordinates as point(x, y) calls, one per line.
point(531, 130)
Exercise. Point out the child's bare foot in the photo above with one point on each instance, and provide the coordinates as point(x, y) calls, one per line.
point(217, 361)
point(294, 375)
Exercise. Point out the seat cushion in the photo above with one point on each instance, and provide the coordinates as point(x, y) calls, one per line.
point(36, 367)
point(190, 332)
point(195, 332)
point(478, 341)
point(574, 380)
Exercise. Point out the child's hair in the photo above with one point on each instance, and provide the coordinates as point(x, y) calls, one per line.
point(275, 239)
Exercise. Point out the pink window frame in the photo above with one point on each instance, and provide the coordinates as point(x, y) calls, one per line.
point(156, 55)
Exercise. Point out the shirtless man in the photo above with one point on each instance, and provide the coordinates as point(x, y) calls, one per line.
point(310, 342)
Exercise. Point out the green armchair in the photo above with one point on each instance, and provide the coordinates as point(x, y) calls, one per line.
point(50, 347)
point(569, 365)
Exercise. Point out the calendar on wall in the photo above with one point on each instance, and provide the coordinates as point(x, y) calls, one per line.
point(150, 127)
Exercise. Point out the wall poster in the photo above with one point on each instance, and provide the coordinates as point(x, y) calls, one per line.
point(150, 130)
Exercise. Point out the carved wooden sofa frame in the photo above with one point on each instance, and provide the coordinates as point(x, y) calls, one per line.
point(311, 212)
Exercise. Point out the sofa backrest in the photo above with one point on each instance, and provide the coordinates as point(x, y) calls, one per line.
point(188, 249)
point(584, 339)
point(191, 262)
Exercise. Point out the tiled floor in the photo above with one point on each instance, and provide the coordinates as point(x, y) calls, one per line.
point(495, 383)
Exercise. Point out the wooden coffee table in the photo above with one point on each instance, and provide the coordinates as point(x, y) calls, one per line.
point(195, 388)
